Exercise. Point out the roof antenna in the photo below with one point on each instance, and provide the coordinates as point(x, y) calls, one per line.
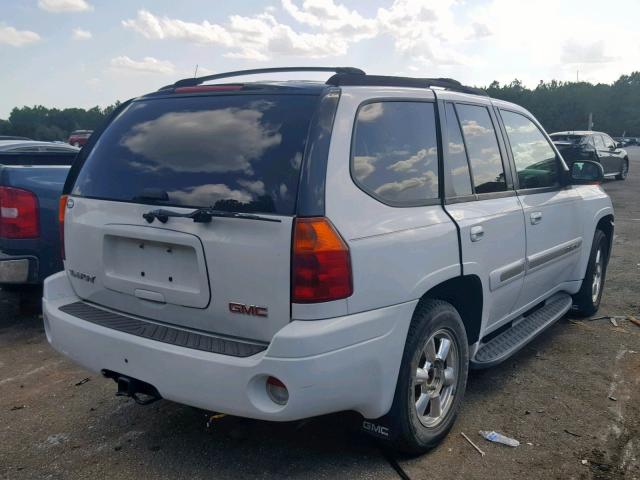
point(195, 74)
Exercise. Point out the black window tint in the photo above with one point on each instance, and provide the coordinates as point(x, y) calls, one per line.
point(232, 152)
point(482, 148)
point(456, 164)
point(535, 160)
point(395, 153)
point(599, 142)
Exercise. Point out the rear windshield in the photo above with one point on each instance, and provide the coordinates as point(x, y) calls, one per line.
point(568, 138)
point(230, 152)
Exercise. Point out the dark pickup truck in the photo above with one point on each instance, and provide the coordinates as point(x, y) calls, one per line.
point(30, 188)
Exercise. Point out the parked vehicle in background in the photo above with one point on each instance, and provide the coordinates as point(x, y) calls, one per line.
point(79, 137)
point(597, 146)
point(626, 141)
point(31, 178)
point(282, 250)
point(12, 137)
point(31, 146)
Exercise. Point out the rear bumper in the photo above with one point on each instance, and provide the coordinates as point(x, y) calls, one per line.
point(343, 363)
point(18, 269)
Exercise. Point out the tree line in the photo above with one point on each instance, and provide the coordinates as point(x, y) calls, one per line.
point(42, 123)
point(561, 106)
point(615, 109)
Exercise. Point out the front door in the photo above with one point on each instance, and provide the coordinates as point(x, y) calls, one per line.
point(605, 155)
point(551, 211)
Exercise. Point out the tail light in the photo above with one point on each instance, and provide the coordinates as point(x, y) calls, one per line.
point(62, 208)
point(321, 264)
point(18, 213)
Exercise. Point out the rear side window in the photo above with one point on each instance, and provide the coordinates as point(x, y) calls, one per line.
point(599, 142)
point(229, 152)
point(394, 156)
point(456, 163)
point(482, 148)
point(535, 160)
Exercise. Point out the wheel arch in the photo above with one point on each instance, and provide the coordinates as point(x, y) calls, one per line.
point(606, 224)
point(465, 294)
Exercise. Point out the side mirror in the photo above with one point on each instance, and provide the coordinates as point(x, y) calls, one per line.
point(586, 171)
point(618, 145)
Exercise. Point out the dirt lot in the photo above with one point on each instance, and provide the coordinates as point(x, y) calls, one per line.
point(572, 397)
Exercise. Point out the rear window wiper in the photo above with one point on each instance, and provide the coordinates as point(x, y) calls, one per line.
point(202, 215)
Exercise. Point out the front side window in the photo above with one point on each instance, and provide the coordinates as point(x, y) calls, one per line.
point(536, 162)
point(482, 148)
point(394, 156)
point(608, 142)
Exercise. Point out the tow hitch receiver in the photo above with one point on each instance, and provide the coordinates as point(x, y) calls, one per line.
point(131, 387)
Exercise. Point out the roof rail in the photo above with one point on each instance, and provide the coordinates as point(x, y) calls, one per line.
point(348, 79)
point(190, 82)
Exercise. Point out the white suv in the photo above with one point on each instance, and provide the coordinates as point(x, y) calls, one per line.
point(281, 250)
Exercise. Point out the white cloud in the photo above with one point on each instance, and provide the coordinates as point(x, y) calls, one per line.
point(147, 64)
point(330, 17)
point(259, 37)
point(256, 187)
point(80, 34)
point(57, 6)
point(423, 30)
point(431, 37)
point(209, 194)
point(17, 38)
point(180, 140)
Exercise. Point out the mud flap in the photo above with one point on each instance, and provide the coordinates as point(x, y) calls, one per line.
point(380, 428)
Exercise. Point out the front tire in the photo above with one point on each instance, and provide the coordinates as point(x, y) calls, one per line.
point(432, 378)
point(624, 170)
point(587, 301)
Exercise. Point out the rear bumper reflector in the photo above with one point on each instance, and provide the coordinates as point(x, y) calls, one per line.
point(163, 333)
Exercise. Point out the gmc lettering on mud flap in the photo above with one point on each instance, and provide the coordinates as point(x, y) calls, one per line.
point(252, 310)
point(376, 429)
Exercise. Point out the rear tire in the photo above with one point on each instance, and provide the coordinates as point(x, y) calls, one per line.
point(587, 301)
point(624, 171)
point(432, 378)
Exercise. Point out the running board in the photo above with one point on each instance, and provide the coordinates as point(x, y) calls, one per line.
point(524, 330)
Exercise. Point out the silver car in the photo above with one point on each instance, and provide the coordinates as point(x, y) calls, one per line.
point(282, 250)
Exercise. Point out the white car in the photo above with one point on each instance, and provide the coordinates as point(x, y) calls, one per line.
point(282, 250)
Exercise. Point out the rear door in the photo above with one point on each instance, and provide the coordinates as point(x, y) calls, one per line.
point(551, 211)
point(234, 153)
point(482, 201)
point(614, 163)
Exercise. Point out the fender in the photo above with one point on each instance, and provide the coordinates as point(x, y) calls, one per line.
point(590, 223)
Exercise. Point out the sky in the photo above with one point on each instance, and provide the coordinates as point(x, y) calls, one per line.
point(82, 53)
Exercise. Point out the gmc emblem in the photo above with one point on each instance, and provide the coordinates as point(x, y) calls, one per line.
point(375, 428)
point(252, 310)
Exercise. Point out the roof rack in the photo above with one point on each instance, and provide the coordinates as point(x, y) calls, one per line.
point(347, 79)
point(190, 82)
point(343, 76)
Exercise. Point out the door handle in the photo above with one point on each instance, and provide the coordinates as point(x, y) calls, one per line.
point(536, 217)
point(477, 232)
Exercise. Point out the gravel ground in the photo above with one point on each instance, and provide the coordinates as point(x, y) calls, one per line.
point(572, 397)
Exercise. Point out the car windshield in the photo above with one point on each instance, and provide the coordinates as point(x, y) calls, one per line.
point(239, 152)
